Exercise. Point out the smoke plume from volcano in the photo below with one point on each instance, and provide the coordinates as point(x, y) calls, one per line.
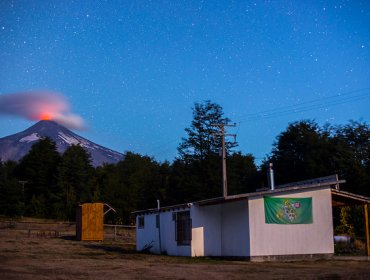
point(40, 106)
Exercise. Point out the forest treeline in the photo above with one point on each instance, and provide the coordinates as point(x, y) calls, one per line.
point(46, 184)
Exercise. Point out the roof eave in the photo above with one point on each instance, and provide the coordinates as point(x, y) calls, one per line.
point(343, 198)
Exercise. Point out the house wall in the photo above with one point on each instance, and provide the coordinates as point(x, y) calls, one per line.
point(206, 233)
point(221, 230)
point(149, 234)
point(283, 239)
point(235, 229)
point(169, 243)
point(238, 228)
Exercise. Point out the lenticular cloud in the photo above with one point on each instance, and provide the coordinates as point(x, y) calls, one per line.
point(40, 106)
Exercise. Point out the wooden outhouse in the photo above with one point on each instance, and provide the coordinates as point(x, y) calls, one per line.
point(90, 222)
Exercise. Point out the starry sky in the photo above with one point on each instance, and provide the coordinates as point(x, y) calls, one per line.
point(132, 70)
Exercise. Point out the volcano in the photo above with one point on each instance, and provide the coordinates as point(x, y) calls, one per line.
point(16, 146)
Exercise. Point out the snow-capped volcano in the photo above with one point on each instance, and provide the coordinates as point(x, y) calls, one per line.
point(16, 146)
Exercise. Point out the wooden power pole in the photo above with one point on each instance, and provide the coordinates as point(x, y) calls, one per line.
point(222, 134)
point(367, 233)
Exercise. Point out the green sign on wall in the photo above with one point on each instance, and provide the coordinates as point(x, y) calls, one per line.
point(288, 210)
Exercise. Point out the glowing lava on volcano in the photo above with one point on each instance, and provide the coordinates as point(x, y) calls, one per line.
point(40, 106)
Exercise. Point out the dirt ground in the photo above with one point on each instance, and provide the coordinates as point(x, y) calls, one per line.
point(44, 256)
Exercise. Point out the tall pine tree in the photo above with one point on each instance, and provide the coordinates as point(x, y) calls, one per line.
point(202, 140)
point(197, 172)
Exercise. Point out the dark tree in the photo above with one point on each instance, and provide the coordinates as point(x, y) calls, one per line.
point(306, 151)
point(75, 179)
point(11, 191)
point(195, 180)
point(303, 151)
point(352, 142)
point(197, 173)
point(242, 174)
point(134, 183)
point(39, 168)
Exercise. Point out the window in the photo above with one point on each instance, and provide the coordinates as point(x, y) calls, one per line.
point(183, 228)
point(140, 222)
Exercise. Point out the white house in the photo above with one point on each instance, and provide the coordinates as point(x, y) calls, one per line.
point(249, 225)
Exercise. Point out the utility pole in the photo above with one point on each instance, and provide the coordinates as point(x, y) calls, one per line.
point(222, 134)
point(23, 197)
point(22, 183)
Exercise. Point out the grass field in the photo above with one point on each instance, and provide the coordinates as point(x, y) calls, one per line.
point(44, 256)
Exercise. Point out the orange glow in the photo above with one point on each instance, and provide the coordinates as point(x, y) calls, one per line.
point(45, 117)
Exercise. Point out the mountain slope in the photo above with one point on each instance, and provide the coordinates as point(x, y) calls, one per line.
point(16, 146)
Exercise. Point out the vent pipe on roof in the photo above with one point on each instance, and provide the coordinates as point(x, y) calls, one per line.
point(270, 177)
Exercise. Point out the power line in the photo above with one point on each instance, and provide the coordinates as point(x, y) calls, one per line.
point(334, 100)
point(341, 96)
point(308, 106)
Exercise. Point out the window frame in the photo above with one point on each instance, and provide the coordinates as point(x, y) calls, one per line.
point(183, 228)
point(141, 222)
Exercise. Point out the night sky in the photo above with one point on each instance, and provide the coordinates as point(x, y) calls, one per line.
point(132, 70)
